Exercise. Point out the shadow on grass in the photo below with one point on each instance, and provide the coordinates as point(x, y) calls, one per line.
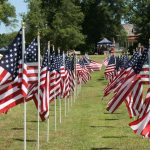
point(107, 113)
point(101, 79)
point(117, 137)
point(22, 140)
point(103, 148)
point(102, 126)
point(33, 121)
point(111, 119)
point(17, 128)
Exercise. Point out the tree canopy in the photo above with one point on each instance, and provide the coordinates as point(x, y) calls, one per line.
point(7, 12)
point(80, 24)
point(139, 15)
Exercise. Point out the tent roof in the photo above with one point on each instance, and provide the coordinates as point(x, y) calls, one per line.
point(105, 41)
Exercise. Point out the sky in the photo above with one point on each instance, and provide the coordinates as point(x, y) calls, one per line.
point(21, 7)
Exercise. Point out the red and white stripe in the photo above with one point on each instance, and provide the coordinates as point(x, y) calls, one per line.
point(30, 76)
point(141, 126)
point(4, 76)
point(124, 90)
point(110, 72)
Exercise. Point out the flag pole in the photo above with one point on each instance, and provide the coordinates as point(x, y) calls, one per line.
point(55, 103)
point(64, 85)
point(38, 133)
point(75, 73)
point(25, 109)
point(149, 59)
point(67, 96)
point(47, 97)
point(60, 119)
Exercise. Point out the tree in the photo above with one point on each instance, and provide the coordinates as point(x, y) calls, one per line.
point(6, 38)
point(7, 12)
point(102, 19)
point(67, 25)
point(60, 21)
point(139, 15)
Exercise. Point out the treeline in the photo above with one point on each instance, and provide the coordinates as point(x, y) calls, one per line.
point(80, 24)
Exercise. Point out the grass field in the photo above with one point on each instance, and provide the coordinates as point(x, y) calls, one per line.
point(88, 126)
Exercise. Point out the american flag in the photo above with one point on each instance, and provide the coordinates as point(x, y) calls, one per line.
point(11, 62)
point(44, 89)
point(62, 71)
point(66, 88)
point(123, 60)
point(128, 84)
point(110, 71)
point(55, 88)
point(10, 94)
point(30, 67)
point(141, 126)
point(119, 78)
point(72, 73)
point(91, 65)
point(105, 62)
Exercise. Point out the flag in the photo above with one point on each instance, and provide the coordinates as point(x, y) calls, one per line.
point(30, 67)
point(55, 87)
point(10, 64)
point(110, 70)
point(11, 61)
point(141, 126)
point(105, 62)
point(128, 84)
point(119, 78)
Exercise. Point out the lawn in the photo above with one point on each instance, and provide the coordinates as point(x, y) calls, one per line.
point(88, 126)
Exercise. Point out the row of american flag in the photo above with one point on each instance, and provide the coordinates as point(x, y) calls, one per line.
point(127, 78)
point(59, 75)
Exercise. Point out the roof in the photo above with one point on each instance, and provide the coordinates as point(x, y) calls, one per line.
point(129, 28)
point(104, 41)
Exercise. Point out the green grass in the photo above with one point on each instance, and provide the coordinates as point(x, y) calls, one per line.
point(88, 126)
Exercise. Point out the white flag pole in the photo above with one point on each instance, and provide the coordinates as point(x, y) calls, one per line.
point(71, 98)
point(25, 109)
point(60, 118)
point(65, 107)
point(55, 103)
point(75, 73)
point(64, 85)
point(149, 60)
point(38, 133)
point(47, 84)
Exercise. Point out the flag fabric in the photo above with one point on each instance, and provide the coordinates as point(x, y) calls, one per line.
point(30, 67)
point(90, 64)
point(44, 89)
point(105, 62)
point(10, 64)
point(110, 70)
point(122, 74)
point(128, 84)
point(141, 126)
point(54, 79)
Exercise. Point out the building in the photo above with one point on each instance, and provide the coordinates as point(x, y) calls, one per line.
point(131, 35)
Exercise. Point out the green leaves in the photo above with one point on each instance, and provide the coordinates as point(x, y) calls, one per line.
point(59, 21)
point(7, 12)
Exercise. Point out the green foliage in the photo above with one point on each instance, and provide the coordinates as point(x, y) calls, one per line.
point(7, 12)
point(102, 19)
point(5, 39)
point(67, 25)
point(139, 15)
point(59, 21)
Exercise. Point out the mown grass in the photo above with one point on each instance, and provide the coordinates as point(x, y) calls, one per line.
point(88, 126)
